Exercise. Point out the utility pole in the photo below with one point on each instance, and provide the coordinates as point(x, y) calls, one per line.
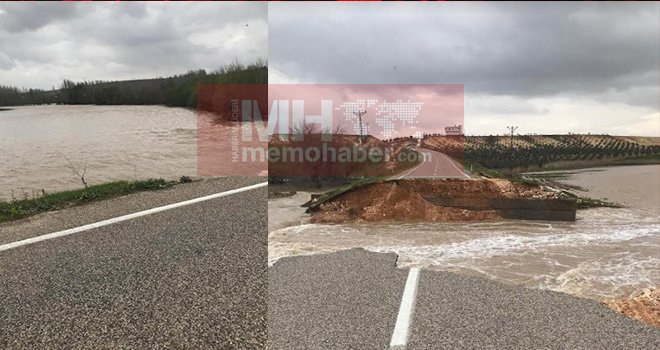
point(359, 114)
point(512, 129)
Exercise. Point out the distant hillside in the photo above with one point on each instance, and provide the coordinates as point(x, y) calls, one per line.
point(174, 91)
point(542, 152)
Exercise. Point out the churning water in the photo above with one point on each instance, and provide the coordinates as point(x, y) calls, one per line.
point(606, 253)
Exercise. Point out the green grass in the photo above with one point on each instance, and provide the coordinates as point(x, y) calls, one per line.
point(18, 209)
point(5, 109)
point(586, 202)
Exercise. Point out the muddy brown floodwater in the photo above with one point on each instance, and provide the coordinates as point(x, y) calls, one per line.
point(606, 253)
point(115, 142)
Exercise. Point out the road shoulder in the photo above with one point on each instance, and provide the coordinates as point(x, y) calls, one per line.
point(45, 223)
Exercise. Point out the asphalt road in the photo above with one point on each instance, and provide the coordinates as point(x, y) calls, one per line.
point(347, 300)
point(97, 211)
point(192, 277)
point(438, 165)
point(350, 300)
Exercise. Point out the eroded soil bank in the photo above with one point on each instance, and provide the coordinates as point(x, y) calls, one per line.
point(643, 306)
point(403, 200)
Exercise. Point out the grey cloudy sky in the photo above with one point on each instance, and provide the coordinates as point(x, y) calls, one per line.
point(44, 43)
point(553, 67)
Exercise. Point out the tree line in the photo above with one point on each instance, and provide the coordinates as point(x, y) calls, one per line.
point(527, 152)
point(174, 91)
point(566, 148)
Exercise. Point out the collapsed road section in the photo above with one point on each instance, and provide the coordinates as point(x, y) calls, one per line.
point(440, 200)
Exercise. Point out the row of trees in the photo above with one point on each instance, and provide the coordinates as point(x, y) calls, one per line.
point(174, 91)
point(565, 148)
point(527, 151)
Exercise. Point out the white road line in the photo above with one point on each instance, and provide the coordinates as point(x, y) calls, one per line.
point(402, 326)
point(410, 171)
point(126, 217)
point(454, 165)
point(436, 168)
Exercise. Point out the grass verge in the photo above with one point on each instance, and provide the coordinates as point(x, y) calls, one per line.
point(586, 202)
point(18, 209)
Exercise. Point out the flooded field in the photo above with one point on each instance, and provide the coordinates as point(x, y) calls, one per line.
point(113, 142)
point(605, 253)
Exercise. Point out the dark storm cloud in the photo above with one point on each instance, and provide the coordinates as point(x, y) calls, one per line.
point(16, 17)
point(49, 42)
point(609, 50)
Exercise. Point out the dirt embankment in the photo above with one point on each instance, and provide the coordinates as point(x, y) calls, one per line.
point(643, 306)
point(403, 200)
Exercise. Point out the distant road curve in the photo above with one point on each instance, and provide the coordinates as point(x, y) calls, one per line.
point(434, 165)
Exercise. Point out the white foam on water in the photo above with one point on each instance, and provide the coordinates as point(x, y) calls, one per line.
point(276, 251)
point(606, 253)
point(621, 276)
point(512, 244)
